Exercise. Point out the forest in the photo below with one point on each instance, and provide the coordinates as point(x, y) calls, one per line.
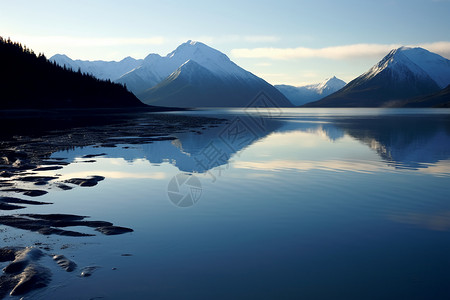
point(30, 81)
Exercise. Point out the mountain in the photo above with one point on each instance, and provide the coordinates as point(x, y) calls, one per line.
point(173, 80)
point(308, 93)
point(438, 99)
point(208, 78)
point(30, 81)
point(403, 74)
point(155, 68)
point(111, 70)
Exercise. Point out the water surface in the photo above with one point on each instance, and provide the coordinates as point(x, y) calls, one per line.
point(274, 204)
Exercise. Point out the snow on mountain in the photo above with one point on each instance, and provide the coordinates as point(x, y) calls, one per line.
point(308, 93)
point(194, 85)
point(101, 69)
point(194, 74)
point(419, 61)
point(402, 74)
point(436, 66)
point(155, 68)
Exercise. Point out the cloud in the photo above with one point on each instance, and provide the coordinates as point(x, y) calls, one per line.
point(441, 48)
point(335, 52)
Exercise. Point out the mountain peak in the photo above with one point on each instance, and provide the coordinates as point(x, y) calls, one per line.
point(190, 48)
point(329, 85)
point(308, 93)
point(404, 73)
point(152, 56)
point(191, 42)
point(419, 61)
point(333, 80)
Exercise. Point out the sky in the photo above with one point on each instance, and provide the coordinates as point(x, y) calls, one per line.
point(284, 42)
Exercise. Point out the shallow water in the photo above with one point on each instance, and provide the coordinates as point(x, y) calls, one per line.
point(271, 204)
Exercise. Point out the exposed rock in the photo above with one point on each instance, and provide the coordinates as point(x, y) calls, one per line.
point(31, 193)
point(64, 187)
point(7, 283)
point(86, 182)
point(65, 263)
point(57, 231)
point(21, 201)
point(47, 224)
point(7, 254)
point(22, 259)
point(51, 168)
point(6, 206)
point(34, 193)
point(87, 271)
point(33, 277)
point(113, 230)
point(93, 155)
point(56, 217)
point(44, 179)
point(56, 162)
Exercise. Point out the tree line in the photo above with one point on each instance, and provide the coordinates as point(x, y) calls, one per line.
point(31, 81)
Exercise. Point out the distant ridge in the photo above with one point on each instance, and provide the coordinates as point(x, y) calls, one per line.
point(32, 82)
point(308, 93)
point(403, 74)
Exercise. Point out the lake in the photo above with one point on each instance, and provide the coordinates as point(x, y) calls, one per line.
point(250, 204)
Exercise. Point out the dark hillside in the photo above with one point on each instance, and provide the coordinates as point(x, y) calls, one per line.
point(30, 81)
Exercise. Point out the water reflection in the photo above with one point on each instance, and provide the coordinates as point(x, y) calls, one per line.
point(339, 194)
point(415, 142)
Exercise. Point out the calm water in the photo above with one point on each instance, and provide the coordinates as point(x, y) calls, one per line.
point(280, 204)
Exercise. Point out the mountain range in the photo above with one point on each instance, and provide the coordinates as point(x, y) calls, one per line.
point(196, 75)
point(192, 75)
point(404, 75)
point(304, 94)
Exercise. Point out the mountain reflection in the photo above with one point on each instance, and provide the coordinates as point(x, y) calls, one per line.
point(410, 142)
point(406, 142)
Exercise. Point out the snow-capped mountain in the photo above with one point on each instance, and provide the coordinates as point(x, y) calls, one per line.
point(101, 69)
point(304, 94)
point(192, 74)
point(208, 78)
point(402, 74)
point(156, 68)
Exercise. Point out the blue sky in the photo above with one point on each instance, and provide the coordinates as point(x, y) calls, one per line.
point(292, 42)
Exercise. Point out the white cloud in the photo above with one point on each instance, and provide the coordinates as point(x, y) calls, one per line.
point(441, 48)
point(336, 52)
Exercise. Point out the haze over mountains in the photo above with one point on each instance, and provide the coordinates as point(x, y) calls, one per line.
point(308, 93)
point(405, 73)
point(190, 76)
